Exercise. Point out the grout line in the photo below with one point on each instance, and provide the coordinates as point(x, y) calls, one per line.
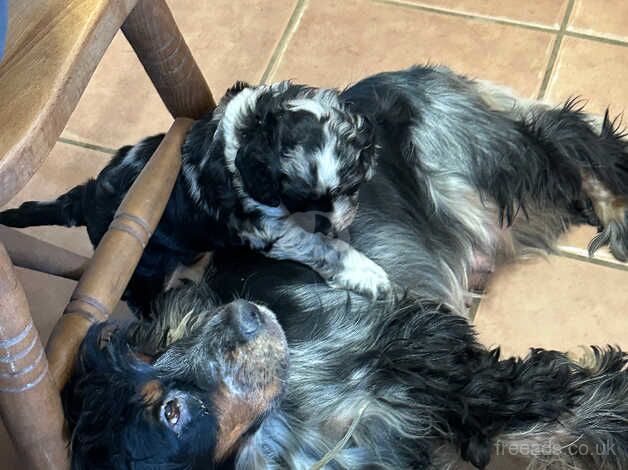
point(284, 40)
point(592, 37)
point(471, 16)
point(473, 310)
point(506, 21)
point(587, 259)
point(551, 63)
point(87, 145)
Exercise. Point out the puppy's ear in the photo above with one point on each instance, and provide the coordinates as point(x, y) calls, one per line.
point(236, 88)
point(259, 170)
point(233, 90)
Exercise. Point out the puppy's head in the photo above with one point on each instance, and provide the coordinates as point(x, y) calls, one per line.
point(180, 392)
point(294, 149)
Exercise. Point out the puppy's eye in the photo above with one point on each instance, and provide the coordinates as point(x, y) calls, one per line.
point(353, 189)
point(172, 412)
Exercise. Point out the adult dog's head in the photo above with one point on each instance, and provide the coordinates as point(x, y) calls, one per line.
point(180, 392)
point(292, 148)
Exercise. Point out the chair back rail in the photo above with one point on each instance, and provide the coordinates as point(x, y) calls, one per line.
point(52, 49)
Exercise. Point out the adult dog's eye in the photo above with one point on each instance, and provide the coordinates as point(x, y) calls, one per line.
point(172, 412)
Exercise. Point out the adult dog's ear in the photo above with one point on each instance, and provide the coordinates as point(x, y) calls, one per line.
point(366, 141)
point(259, 170)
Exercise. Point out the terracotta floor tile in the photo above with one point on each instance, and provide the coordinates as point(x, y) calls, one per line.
point(230, 39)
point(541, 12)
point(66, 166)
point(593, 70)
point(607, 18)
point(339, 42)
point(577, 240)
point(557, 303)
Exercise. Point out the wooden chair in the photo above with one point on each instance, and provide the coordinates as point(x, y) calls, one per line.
point(52, 49)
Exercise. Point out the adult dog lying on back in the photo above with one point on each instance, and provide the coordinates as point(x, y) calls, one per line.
point(211, 382)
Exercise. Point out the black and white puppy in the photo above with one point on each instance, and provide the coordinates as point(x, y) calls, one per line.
point(264, 155)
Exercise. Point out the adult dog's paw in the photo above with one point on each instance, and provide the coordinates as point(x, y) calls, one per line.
point(359, 274)
point(611, 211)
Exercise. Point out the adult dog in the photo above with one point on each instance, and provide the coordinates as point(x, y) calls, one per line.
point(465, 177)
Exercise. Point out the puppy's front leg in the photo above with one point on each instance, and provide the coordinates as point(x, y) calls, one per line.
point(334, 260)
point(357, 272)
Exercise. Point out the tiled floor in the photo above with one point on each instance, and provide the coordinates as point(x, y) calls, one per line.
point(547, 49)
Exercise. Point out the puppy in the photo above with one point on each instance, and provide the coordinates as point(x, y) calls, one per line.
point(265, 154)
point(466, 175)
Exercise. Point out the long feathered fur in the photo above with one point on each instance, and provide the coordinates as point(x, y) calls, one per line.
point(463, 173)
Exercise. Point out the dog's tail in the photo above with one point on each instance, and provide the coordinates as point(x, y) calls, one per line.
point(591, 432)
point(67, 210)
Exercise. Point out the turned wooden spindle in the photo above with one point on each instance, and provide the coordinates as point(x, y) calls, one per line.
point(29, 400)
point(118, 253)
point(32, 253)
point(158, 43)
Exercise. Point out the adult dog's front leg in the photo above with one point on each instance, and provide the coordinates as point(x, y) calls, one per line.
point(334, 260)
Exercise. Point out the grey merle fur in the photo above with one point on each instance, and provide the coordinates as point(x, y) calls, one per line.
point(464, 173)
point(476, 160)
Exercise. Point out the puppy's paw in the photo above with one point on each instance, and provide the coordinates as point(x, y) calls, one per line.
point(359, 274)
point(611, 211)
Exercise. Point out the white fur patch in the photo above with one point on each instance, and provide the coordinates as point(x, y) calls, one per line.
point(358, 273)
point(327, 166)
point(309, 105)
point(131, 158)
point(344, 212)
point(235, 111)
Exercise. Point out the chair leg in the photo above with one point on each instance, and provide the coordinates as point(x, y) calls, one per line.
point(153, 33)
point(29, 402)
point(116, 256)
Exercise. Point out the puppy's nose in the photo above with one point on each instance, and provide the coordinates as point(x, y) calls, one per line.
point(246, 317)
point(322, 224)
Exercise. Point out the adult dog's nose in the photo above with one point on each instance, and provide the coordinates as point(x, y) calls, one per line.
point(246, 317)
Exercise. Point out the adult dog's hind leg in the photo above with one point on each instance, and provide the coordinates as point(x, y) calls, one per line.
point(596, 160)
point(574, 170)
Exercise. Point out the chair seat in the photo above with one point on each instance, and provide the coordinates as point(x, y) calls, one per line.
point(52, 49)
